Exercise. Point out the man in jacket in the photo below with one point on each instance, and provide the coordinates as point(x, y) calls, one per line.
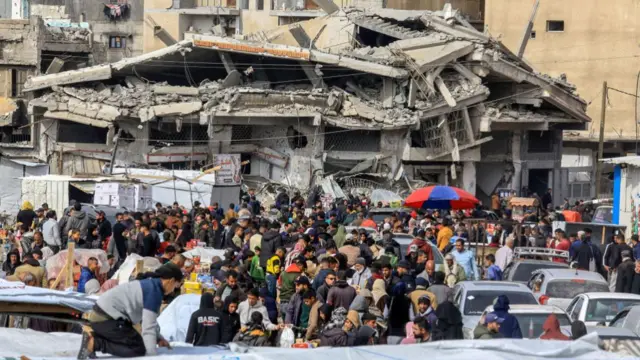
point(425, 310)
point(271, 240)
point(341, 294)
point(490, 329)
point(635, 245)
point(361, 274)
point(295, 303)
point(510, 327)
point(205, 326)
point(78, 220)
point(29, 266)
point(230, 288)
point(323, 291)
point(251, 305)
point(87, 273)
point(104, 226)
point(587, 255)
point(466, 259)
point(421, 330)
point(615, 259)
point(422, 244)
point(404, 273)
point(313, 306)
point(626, 272)
point(445, 234)
point(51, 232)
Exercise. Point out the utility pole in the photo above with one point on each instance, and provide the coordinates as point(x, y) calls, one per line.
point(527, 31)
point(603, 113)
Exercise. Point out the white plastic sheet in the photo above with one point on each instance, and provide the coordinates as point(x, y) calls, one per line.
point(129, 265)
point(18, 342)
point(205, 253)
point(57, 262)
point(15, 291)
point(174, 319)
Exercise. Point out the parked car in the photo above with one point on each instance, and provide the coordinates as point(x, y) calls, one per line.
point(527, 260)
point(379, 214)
point(596, 308)
point(558, 286)
point(373, 233)
point(532, 317)
point(628, 318)
point(473, 297)
point(405, 240)
point(621, 341)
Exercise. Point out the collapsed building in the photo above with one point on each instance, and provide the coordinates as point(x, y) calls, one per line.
point(373, 99)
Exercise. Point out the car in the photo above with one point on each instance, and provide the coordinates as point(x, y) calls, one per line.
point(595, 308)
point(558, 286)
point(621, 341)
point(527, 260)
point(373, 233)
point(532, 317)
point(379, 214)
point(473, 297)
point(628, 318)
point(405, 240)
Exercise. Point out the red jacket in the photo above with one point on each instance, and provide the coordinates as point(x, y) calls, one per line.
point(424, 246)
point(564, 244)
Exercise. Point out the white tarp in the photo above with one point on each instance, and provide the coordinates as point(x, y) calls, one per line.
point(129, 265)
point(19, 342)
point(206, 254)
point(174, 319)
point(166, 191)
point(15, 291)
point(11, 172)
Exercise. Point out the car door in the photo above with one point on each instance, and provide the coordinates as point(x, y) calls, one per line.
point(577, 309)
point(457, 298)
point(570, 308)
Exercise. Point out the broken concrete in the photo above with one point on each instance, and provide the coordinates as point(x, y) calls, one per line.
point(173, 109)
point(177, 90)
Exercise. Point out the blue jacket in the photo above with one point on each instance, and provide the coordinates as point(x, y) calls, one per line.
point(494, 273)
point(85, 275)
point(510, 328)
point(319, 279)
point(468, 262)
point(574, 248)
point(636, 251)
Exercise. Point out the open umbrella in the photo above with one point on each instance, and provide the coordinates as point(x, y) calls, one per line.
point(441, 197)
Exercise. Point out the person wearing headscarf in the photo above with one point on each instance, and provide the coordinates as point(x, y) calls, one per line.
point(578, 330)
point(12, 263)
point(454, 273)
point(551, 328)
point(510, 327)
point(449, 323)
point(380, 296)
point(333, 333)
point(398, 313)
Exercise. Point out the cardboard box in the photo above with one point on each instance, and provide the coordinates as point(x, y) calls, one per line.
point(123, 201)
point(102, 200)
point(114, 189)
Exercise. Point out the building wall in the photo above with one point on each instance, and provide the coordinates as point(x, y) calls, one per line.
point(599, 43)
point(253, 20)
point(131, 26)
point(471, 8)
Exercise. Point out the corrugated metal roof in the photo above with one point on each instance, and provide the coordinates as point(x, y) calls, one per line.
point(629, 160)
point(26, 163)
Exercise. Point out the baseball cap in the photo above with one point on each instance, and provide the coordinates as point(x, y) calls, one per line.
point(493, 317)
point(404, 264)
point(420, 281)
point(413, 248)
point(361, 261)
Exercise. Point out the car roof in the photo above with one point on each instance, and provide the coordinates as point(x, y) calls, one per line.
point(494, 285)
point(531, 309)
point(573, 274)
point(611, 295)
point(604, 331)
point(390, 210)
point(536, 261)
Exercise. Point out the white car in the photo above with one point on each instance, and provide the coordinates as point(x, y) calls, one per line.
point(558, 286)
point(595, 308)
point(532, 317)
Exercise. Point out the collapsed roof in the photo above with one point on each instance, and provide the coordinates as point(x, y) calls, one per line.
point(352, 68)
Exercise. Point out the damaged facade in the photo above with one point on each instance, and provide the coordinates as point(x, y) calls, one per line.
point(370, 97)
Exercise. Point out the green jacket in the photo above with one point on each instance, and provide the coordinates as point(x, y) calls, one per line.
point(482, 333)
point(287, 282)
point(255, 271)
point(340, 237)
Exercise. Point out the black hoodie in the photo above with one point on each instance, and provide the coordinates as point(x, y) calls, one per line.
point(271, 240)
point(205, 326)
point(230, 321)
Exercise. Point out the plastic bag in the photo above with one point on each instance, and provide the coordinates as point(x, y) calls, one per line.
point(287, 338)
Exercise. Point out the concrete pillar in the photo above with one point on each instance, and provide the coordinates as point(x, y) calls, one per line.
point(556, 184)
point(469, 177)
point(516, 158)
point(219, 143)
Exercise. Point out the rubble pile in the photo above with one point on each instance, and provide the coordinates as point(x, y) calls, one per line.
point(67, 34)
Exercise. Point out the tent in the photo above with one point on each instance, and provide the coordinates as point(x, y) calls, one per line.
point(11, 172)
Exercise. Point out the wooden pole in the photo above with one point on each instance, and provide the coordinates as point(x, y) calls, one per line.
point(604, 234)
point(139, 267)
point(603, 113)
point(69, 266)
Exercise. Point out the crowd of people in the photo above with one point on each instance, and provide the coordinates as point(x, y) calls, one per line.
point(294, 266)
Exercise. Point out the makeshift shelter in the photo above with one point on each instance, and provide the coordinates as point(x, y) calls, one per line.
point(11, 173)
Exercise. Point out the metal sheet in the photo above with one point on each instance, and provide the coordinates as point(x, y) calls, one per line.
point(87, 187)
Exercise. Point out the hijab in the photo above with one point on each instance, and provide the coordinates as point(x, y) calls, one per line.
point(449, 323)
point(338, 316)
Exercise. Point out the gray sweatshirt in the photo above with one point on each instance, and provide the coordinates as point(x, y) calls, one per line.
point(139, 302)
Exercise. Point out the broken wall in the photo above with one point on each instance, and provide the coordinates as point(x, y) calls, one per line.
point(473, 9)
point(21, 41)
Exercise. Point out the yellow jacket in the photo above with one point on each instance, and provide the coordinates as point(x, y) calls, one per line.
point(444, 235)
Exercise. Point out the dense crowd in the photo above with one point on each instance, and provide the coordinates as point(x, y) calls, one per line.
point(295, 266)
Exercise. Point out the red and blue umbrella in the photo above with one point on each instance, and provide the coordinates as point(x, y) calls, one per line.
point(441, 197)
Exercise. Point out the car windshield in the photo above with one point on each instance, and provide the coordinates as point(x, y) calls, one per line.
point(523, 271)
point(531, 324)
point(568, 289)
point(379, 217)
point(607, 309)
point(477, 301)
